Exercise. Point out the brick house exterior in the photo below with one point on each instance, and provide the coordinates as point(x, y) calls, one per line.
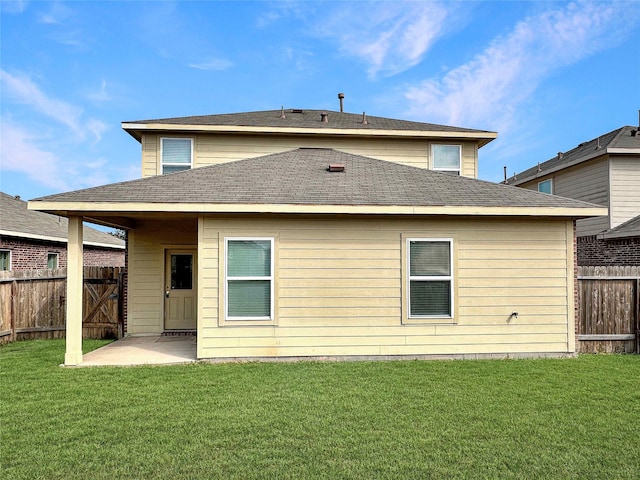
point(32, 240)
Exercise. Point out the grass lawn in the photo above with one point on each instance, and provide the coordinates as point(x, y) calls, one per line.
point(572, 418)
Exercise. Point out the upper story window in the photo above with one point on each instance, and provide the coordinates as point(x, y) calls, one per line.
point(177, 154)
point(546, 186)
point(5, 260)
point(447, 158)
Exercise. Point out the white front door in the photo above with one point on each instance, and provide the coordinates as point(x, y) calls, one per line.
point(180, 293)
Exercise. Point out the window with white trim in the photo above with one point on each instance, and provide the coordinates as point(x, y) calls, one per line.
point(177, 154)
point(430, 277)
point(249, 278)
point(52, 260)
point(447, 158)
point(546, 186)
point(5, 260)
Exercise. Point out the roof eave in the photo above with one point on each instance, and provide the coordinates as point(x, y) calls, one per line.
point(96, 208)
point(595, 154)
point(136, 130)
point(47, 238)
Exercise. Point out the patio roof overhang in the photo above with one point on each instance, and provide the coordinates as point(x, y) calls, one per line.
point(125, 215)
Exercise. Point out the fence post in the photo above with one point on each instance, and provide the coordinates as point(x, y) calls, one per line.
point(12, 316)
point(637, 315)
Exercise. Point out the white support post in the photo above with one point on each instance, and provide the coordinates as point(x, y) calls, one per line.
point(73, 354)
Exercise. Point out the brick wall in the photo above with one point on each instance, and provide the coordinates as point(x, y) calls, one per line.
point(595, 252)
point(29, 254)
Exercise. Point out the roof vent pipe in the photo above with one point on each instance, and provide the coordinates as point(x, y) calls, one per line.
point(505, 174)
point(282, 115)
point(364, 119)
point(324, 117)
point(560, 155)
point(539, 169)
point(341, 98)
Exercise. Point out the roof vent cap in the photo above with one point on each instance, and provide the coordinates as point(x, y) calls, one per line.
point(560, 155)
point(335, 167)
point(364, 119)
point(324, 117)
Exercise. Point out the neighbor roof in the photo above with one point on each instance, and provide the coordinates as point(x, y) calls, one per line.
point(17, 221)
point(300, 178)
point(299, 121)
point(625, 140)
point(630, 228)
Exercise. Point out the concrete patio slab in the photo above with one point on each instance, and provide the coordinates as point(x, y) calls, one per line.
point(148, 350)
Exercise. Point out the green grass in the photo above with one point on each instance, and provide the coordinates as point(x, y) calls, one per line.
point(572, 418)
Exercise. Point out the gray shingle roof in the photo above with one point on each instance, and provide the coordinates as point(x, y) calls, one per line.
point(300, 177)
point(16, 218)
point(620, 138)
point(306, 119)
point(630, 228)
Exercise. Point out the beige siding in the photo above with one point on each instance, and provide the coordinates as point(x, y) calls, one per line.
point(147, 243)
point(588, 182)
point(625, 189)
point(339, 283)
point(213, 149)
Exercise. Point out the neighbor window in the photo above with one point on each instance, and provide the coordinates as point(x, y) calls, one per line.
point(446, 158)
point(546, 186)
point(5, 260)
point(249, 278)
point(430, 278)
point(52, 260)
point(177, 154)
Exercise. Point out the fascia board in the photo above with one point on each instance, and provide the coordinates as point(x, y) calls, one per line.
point(309, 131)
point(73, 208)
point(623, 151)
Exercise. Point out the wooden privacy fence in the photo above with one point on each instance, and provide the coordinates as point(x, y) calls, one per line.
point(608, 309)
point(33, 303)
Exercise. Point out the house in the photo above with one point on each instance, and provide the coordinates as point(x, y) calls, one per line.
point(35, 240)
point(604, 171)
point(314, 234)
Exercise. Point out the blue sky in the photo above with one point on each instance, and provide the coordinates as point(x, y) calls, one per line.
point(544, 75)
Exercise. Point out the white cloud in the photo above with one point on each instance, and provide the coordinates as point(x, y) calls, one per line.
point(21, 151)
point(101, 95)
point(488, 89)
point(23, 90)
point(215, 64)
point(18, 153)
point(55, 15)
point(389, 37)
point(13, 6)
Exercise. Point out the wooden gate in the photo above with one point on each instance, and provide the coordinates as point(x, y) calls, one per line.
point(608, 310)
point(33, 303)
point(102, 315)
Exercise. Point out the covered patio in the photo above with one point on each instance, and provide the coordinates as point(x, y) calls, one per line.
point(143, 350)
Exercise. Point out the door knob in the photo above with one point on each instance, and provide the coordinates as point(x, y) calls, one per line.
point(166, 293)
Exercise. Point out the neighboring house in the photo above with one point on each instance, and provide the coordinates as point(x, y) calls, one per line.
point(35, 240)
point(305, 233)
point(604, 171)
